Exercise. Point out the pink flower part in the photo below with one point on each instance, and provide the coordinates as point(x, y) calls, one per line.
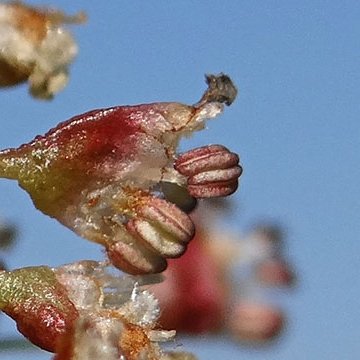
point(256, 323)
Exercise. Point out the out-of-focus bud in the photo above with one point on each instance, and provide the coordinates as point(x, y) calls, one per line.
point(253, 323)
point(275, 272)
point(101, 174)
point(35, 47)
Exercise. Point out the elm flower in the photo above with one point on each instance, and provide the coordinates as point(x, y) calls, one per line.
point(101, 174)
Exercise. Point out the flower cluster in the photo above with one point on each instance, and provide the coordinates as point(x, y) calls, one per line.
point(111, 176)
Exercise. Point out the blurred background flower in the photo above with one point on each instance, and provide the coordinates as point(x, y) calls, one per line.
point(220, 284)
point(35, 47)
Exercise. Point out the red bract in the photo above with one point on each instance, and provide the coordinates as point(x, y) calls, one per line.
point(100, 174)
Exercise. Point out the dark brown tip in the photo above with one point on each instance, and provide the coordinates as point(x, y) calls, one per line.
point(220, 89)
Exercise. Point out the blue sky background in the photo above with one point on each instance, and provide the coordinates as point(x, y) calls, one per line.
point(295, 125)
